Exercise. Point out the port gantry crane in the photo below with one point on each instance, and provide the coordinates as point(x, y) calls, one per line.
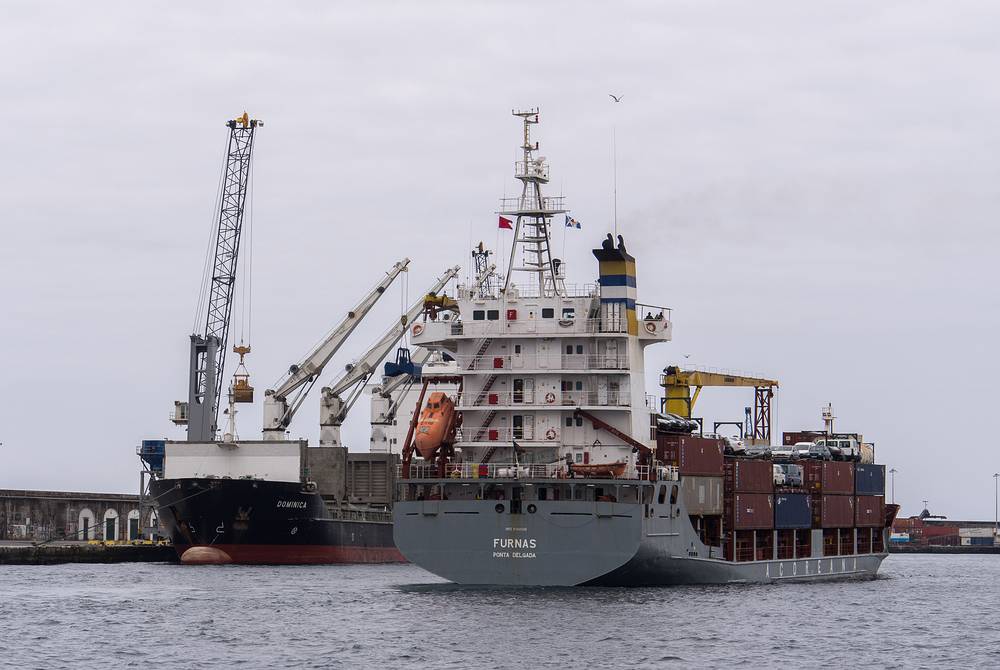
point(280, 405)
point(678, 397)
point(208, 347)
point(337, 399)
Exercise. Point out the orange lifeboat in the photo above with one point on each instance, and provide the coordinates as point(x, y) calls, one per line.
point(436, 425)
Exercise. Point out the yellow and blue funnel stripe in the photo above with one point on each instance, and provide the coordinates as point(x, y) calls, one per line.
point(616, 268)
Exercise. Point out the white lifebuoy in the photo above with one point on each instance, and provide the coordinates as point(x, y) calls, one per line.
point(417, 328)
point(650, 327)
point(550, 397)
point(550, 434)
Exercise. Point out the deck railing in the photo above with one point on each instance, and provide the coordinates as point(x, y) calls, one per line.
point(554, 362)
point(468, 470)
point(560, 399)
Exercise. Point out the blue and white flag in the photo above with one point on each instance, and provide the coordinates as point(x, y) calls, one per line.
point(572, 223)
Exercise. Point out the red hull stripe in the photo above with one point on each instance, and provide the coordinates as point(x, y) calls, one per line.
point(292, 554)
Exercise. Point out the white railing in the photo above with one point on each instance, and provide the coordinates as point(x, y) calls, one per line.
point(496, 434)
point(466, 470)
point(531, 203)
point(643, 310)
point(554, 362)
point(531, 169)
point(517, 292)
point(537, 398)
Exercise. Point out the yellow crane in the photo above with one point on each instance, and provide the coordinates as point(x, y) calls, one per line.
point(682, 388)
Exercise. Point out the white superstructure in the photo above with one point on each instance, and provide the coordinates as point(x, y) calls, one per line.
point(531, 353)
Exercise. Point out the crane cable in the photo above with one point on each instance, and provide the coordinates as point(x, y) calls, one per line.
point(209, 263)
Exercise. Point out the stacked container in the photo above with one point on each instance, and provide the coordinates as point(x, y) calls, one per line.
point(749, 501)
point(792, 510)
point(690, 454)
point(702, 496)
point(869, 486)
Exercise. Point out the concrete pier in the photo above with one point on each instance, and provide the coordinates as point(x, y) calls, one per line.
point(20, 553)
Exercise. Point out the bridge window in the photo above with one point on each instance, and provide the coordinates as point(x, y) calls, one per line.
point(493, 315)
point(548, 313)
point(478, 315)
point(569, 422)
point(569, 313)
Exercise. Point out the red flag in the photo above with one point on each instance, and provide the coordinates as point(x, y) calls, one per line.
point(506, 223)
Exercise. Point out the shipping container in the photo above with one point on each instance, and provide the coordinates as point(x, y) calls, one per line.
point(981, 541)
point(869, 511)
point(793, 437)
point(753, 511)
point(691, 455)
point(869, 479)
point(702, 496)
point(836, 511)
point(838, 477)
point(792, 510)
point(749, 476)
point(812, 474)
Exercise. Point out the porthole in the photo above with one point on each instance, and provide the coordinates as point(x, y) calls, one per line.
point(532, 509)
point(499, 508)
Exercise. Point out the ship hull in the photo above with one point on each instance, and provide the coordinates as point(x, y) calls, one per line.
point(592, 543)
point(218, 521)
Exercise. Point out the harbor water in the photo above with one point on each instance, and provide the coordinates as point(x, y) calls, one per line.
point(926, 611)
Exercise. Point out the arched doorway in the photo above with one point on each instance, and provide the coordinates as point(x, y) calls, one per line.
point(111, 525)
point(85, 525)
point(134, 525)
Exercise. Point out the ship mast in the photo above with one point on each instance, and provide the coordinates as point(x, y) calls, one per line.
point(533, 213)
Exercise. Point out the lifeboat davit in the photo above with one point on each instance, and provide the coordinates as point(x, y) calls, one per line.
point(436, 425)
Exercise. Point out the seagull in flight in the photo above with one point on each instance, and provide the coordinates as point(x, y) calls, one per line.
point(616, 98)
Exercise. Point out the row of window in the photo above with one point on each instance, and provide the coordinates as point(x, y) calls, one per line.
point(547, 313)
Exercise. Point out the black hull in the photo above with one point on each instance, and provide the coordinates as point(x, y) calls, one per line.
point(261, 522)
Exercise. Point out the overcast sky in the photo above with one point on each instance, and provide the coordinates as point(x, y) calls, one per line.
point(813, 187)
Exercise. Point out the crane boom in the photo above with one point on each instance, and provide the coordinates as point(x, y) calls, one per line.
point(333, 408)
point(208, 348)
point(278, 409)
point(678, 398)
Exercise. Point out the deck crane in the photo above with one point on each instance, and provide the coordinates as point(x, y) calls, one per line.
point(678, 398)
point(333, 408)
point(279, 404)
point(208, 347)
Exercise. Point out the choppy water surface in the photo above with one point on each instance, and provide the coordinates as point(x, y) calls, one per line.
point(924, 611)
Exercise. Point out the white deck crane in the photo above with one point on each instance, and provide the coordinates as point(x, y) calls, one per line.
point(279, 404)
point(337, 399)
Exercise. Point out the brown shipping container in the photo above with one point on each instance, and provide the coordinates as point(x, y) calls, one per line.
point(837, 511)
point(838, 477)
point(699, 456)
point(869, 511)
point(753, 511)
point(749, 476)
point(795, 436)
point(702, 496)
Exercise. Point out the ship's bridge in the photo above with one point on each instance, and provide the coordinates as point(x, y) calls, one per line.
point(577, 313)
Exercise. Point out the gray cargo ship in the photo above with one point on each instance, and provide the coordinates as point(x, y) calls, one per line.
point(551, 465)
